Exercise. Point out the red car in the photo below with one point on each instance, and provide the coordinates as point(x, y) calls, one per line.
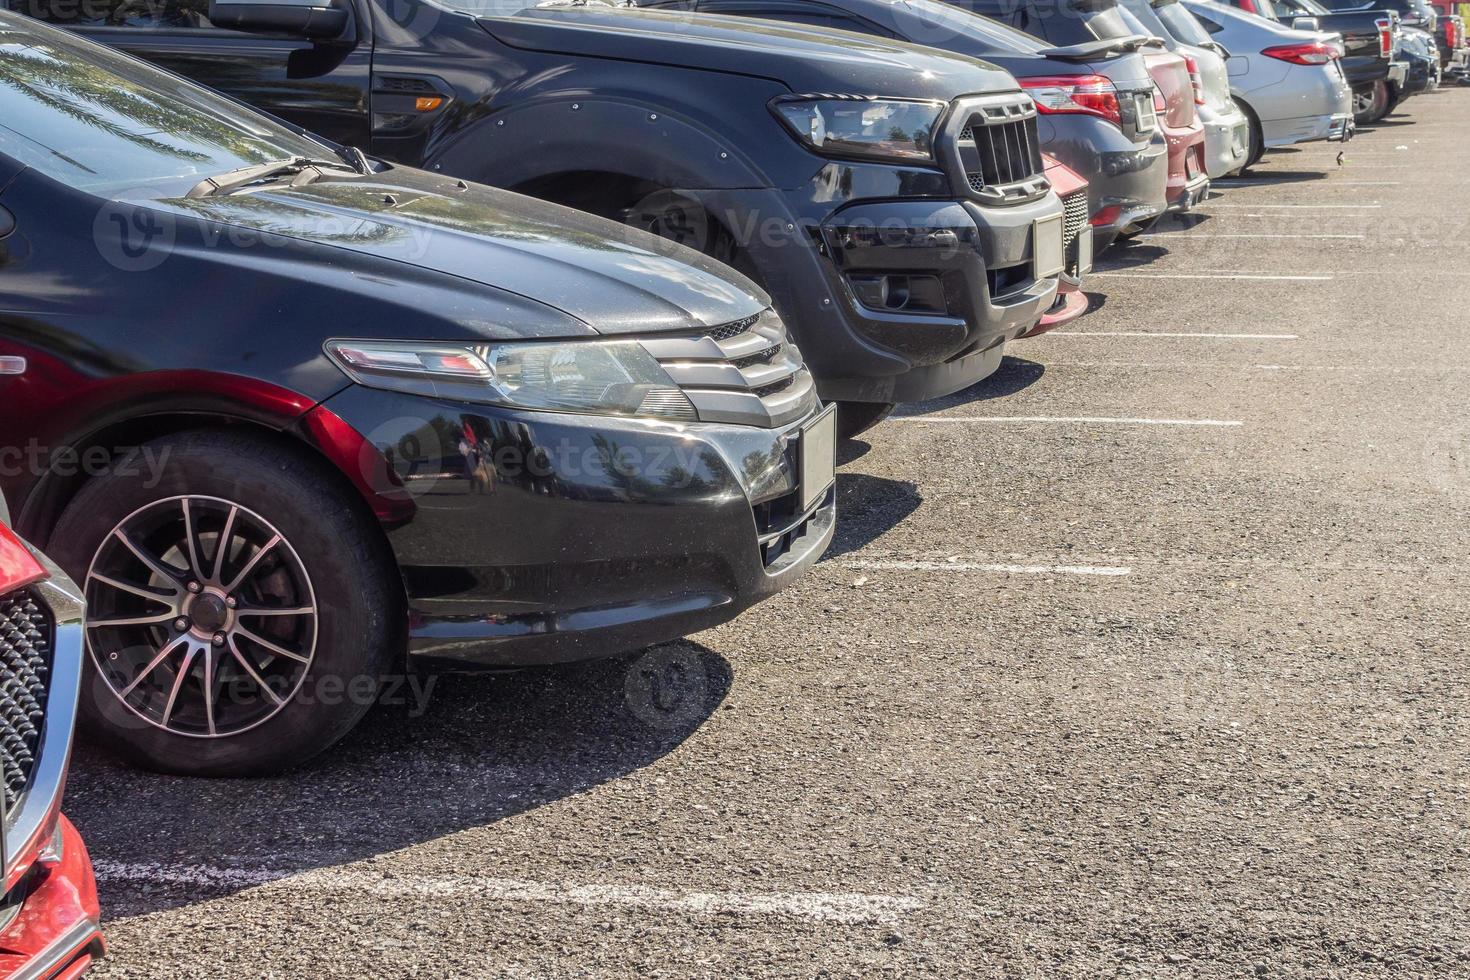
point(1174, 102)
point(49, 914)
point(1077, 243)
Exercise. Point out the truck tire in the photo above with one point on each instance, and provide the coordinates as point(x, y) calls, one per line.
point(1371, 103)
point(855, 418)
point(241, 658)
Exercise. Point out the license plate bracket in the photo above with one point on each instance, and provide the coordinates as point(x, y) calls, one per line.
point(817, 452)
point(1046, 247)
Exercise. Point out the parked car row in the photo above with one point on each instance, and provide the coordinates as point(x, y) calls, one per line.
point(341, 336)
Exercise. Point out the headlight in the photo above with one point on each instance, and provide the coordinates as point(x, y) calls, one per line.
point(856, 126)
point(615, 377)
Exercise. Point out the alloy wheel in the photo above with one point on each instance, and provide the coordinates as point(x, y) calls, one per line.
point(201, 616)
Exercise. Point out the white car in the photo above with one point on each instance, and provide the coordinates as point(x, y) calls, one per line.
point(1288, 82)
point(1227, 130)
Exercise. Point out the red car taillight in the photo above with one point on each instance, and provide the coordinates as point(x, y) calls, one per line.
point(1160, 105)
point(1195, 81)
point(1385, 38)
point(1090, 94)
point(1311, 53)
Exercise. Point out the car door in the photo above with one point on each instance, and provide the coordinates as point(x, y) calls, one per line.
point(323, 87)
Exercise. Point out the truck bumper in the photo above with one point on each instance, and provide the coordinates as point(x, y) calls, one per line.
point(901, 300)
point(571, 537)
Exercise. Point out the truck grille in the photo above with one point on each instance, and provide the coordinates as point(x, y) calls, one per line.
point(1074, 207)
point(25, 671)
point(746, 373)
point(996, 149)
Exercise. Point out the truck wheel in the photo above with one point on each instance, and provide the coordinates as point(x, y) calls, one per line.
point(1371, 103)
point(855, 418)
point(240, 613)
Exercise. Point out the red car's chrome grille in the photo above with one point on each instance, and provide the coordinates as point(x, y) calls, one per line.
point(25, 670)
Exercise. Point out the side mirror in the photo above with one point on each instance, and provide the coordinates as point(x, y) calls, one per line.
point(319, 20)
point(1306, 24)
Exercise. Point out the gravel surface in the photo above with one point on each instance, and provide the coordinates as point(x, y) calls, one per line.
point(1067, 698)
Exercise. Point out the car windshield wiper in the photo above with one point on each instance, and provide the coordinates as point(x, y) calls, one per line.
point(356, 159)
point(235, 179)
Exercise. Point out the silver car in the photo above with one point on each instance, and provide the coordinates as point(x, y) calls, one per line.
point(1227, 130)
point(1289, 82)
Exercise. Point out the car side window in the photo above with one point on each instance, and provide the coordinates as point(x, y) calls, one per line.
point(1012, 13)
point(1206, 23)
point(158, 15)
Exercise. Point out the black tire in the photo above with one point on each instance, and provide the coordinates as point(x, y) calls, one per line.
point(1371, 104)
point(855, 418)
point(355, 624)
point(1257, 146)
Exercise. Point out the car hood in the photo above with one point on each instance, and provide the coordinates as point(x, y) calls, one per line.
point(614, 279)
point(803, 59)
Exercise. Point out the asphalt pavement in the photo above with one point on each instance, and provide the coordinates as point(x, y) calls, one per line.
point(1146, 657)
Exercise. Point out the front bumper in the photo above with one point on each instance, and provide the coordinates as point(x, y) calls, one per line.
point(55, 933)
point(575, 537)
point(967, 276)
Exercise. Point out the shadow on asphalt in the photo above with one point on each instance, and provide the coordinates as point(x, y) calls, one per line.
point(487, 747)
point(1130, 254)
point(1014, 375)
point(870, 507)
point(1266, 178)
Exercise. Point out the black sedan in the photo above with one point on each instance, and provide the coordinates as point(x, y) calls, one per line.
point(286, 412)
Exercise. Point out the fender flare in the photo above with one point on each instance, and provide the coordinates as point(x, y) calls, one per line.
point(568, 132)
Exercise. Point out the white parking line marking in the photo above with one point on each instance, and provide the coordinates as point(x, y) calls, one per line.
point(843, 907)
point(1266, 182)
point(1111, 571)
point(1082, 419)
point(1198, 275)
point(1150, 333)
point(1185, 236)
point(1292, 207)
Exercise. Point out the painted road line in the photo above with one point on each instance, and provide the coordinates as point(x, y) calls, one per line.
point(843, 907)
point(1291, 207)
point(1186, 236)
point(1107, 571)
point(1150, 333)
point(1209, 275)
point(1064, 419)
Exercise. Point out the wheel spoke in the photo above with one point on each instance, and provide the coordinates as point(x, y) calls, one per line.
point(249, 668)
point(162, 617)
point(272, 647)
point(195, 565)
point(168, 648)
point(264, 611)
point(156, 564)
point(138, 590)
point(254, 560)
point(222, 548)
point(210, 690)
point(173, 694)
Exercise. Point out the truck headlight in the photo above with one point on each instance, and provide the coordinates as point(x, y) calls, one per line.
point(592, 377)
point(861, 126)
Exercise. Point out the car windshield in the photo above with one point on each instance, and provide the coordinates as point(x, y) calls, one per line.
point(1185, 27)
point(108, 124)
point(1141, 19)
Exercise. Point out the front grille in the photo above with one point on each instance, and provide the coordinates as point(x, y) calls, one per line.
point(25, 671)
point(746, 373)
point(992, 149)
point(1075, 207)
point(996, 153)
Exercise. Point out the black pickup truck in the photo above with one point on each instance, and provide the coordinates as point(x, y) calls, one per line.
point(890, 198)
point(1369, 60)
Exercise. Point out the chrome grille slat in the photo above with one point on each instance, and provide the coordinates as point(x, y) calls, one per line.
point(1075, 207)
point(26, 644)
point(754, 376)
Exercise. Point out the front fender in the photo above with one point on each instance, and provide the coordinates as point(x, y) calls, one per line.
point(665, 139)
